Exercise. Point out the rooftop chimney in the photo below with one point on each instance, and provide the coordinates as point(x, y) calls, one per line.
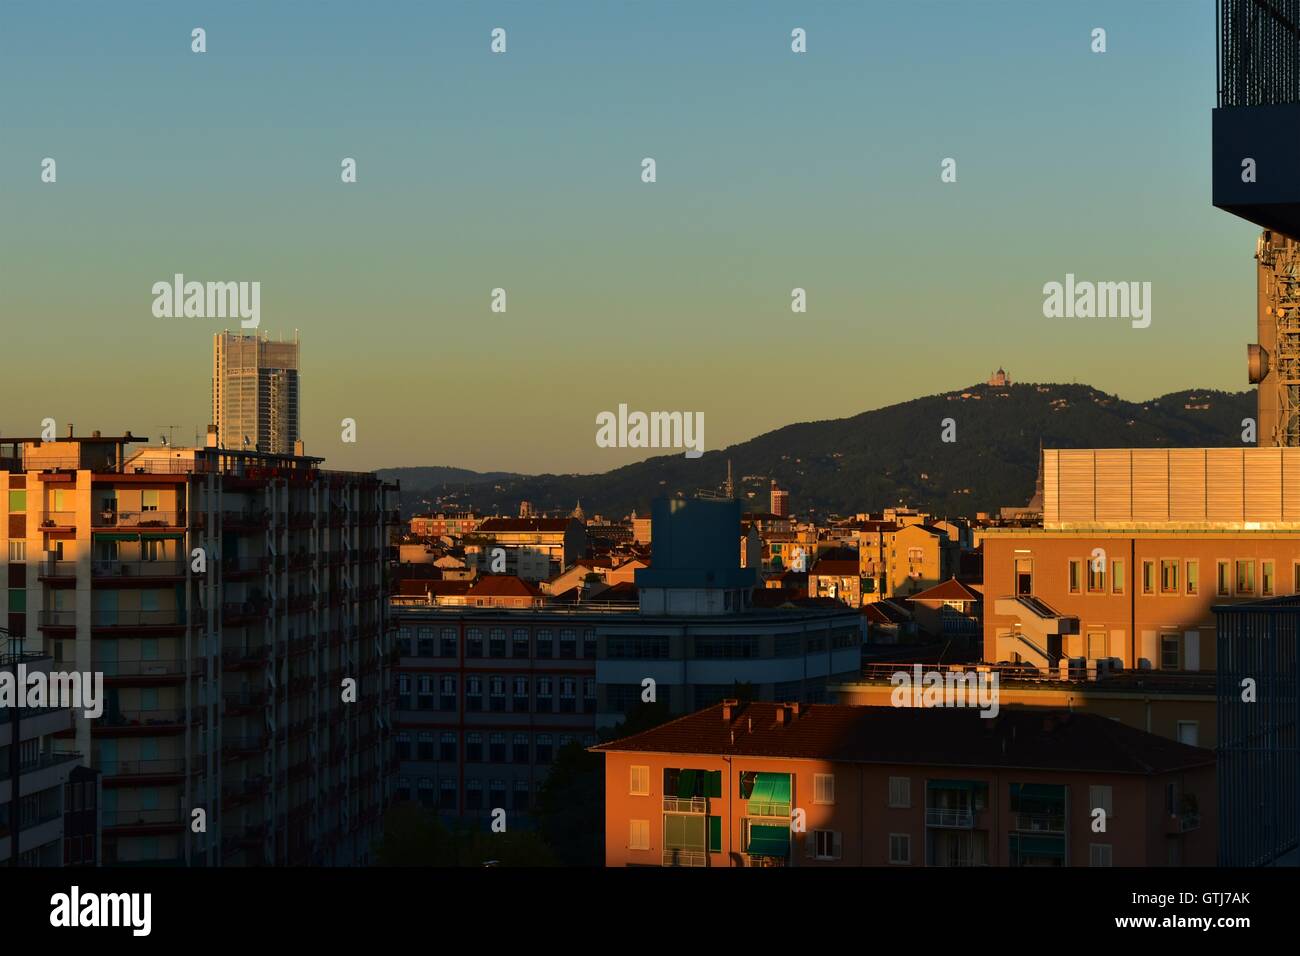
point(211, 440)
point(782, 715)
point(69, 429)
point(729, 709)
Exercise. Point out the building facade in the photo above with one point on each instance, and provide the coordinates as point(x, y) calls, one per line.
point(255, 393)
point(788, 785)
point(229, 599)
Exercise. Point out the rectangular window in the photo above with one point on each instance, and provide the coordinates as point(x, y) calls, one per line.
point(640, 785)
point(1096, 576)
point(1189, 732)
point(826, 844)
point(639, 835)
point(1169, 576)
point(1169, 652)
point(824, 788)
point(1245, 577)
point(1295, 578)
point(1099, 854)
point(1193, 577)
point(1076, 571)
point(17, 502)
point(1117, 577)
point(900, 848)
point(1225, 579)
point(900, 792)
point(1267, 577)
point(1148, 577)
point(18, 552)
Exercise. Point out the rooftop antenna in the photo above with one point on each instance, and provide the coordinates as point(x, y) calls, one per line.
point(171, 434)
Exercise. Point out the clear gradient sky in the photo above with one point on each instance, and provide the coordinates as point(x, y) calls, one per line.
point(522, 171)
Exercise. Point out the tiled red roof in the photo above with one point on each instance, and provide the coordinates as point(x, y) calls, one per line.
point(950, 590)
point(502, 585)
point(1027, 738)
point(836, 567)
point(524, 524)
point(434, 587)
point(875, 615)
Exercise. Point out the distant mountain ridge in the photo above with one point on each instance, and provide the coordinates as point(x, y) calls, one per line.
point(873, 460)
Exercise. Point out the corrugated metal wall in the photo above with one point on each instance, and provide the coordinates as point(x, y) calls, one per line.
point(1124, 487)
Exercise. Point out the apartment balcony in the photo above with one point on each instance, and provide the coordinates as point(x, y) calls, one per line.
point(58, 520)
point(120, 723)
point(137, 519)
point(52, 570)
point(244, 567)
point(686, 805)
point(236, 659)
point(252, 836)
point(244, 791)
point(109, 622)
point(300, 520)
point(949, 819)
point(675, 857)
point(139, 773)
point(57, 620)
point(258, 520)
point(129, 822)
point(140, 673)
point(1038, 822)
point(118, 572)
point(236, 748)
point(301, 602)
point(237, 613)
point(1186, 822)
point(244, 702)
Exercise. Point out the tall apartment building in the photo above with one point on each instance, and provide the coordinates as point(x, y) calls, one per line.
point(255, 393)
point(225, 596)
point(1135, 547)
point(36, 779)
point(769, 784)
point(1258, 753)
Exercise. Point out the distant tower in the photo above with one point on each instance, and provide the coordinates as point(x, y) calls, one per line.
point(731, 487)
point(255, 392)
point(526, 509)
point(579, 513)
point(780, 501)
point(1000, 379)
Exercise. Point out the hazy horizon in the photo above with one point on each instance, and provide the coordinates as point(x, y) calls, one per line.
point(775, 170)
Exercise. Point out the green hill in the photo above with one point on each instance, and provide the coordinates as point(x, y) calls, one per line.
point(883, 457)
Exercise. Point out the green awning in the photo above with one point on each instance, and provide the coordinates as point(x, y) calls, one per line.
point(762, 792)
point(769, 841)
point(713, 784)
point(1040, 846)
point(116, 536)
point(952, 785)
point(1039, 791)
point(779, 784)
point(715, 834)
point(686, 783)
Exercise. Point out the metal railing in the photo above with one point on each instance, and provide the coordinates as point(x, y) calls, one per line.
point(127, 818)
point(142, 768)
point(953, 819)
point(676, 857)
point(171, 667)
point(168, 568)
point(113, 518)
point(1258, 52)
point(686, 805)
point(1038, 822)
point(58, 519)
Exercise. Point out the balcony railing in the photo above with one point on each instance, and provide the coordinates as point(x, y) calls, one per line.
point(170, 568)
point(676, 857)
point(952, 819)
point(757, 809)
point(1038, 822)
point(57, 569)
point(686, 805)
point(1182, 822)
point(143, 768)
point(157, 717)
point(58, 519)
point(174, 617)
point(127, 818)
point(137, 519)
point(176, 667)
